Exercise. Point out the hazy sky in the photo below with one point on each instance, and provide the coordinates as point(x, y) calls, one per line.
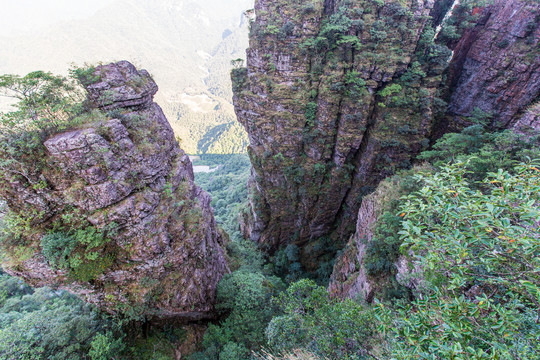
point(29, 15)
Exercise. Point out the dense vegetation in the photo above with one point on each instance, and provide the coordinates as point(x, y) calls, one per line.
point(228, 187)
point(476, 250)
point(48, 324)
point(465, 216)
point(475, 200)
point(478, 294)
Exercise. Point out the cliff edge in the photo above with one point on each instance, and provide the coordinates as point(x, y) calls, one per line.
point(113, 213)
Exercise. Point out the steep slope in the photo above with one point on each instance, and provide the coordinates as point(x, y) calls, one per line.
point(496, 66)
point(113, 212)
point(494, 72)
point(336, 96)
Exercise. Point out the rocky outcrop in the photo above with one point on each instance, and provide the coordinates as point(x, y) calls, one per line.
point(117, 191)
point(530, 120)
point(349, 277)
point(496, 66)
point(336, 96)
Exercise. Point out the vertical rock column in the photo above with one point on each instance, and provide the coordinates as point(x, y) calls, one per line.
point(336, 96)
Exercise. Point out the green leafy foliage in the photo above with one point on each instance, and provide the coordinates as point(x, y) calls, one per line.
point(46, 324)
point(311, 113)
point(57, 248)
point(105, 346)
point(46, 103)
point(244, 301)
point(486, 151)
point(390, 89)
point(79, 251)
point(43, 99)
point(228, 187)
point(12, 287)
point(239, 78)
point(463, 18)
point(327, 327)
point(479, 253)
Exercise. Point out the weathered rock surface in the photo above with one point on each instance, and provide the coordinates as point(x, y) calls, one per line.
point(334, 99)
point(125, 175)
point(338, 95)
point(496, 66)
point(119, 86)
point(349, 278)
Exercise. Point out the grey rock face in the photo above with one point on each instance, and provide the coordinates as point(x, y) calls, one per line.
point(121, 85)
point(128, 170)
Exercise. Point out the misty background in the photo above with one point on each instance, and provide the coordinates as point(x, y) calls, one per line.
point(187, 46)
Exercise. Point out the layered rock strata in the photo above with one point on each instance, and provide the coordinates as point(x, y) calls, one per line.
point(336, 96)
point(496, 63)
point(119, 183)
point(494, 72)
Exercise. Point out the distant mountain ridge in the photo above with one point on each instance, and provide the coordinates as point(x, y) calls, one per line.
point(180, 42)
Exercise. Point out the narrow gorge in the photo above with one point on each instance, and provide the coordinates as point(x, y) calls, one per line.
point(388, 206)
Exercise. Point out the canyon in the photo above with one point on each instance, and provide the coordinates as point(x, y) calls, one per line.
point(338, 99)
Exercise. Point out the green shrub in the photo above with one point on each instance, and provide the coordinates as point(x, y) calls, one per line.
point(81, 252)
point(239, 79)
point(311, 113)
point(58, 247)
point(54, 325)
point(244, 301)
point(327, 327)
point(390, 89)
point(105, 346)
point(487, 152)
point(477, 251)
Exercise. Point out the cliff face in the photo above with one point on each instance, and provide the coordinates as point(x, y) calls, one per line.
point(350, 278)
point(336, 96)
point(496, 66)
point(118, 193)
point(365, 268)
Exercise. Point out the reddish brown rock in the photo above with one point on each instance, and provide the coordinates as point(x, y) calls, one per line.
point(495, 68)
point(349, 278)
point(496, 64)
point(338, 95)
point(322, 110)
point(123, 173)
